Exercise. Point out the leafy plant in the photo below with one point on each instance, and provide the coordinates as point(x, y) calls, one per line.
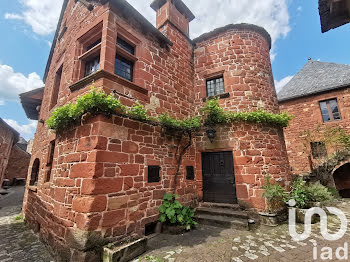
point(138, 112)
point(274, 194)
point(300, 193)
point(173, 212)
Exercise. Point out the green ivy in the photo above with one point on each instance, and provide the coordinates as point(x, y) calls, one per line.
point(173, 212)
point(216, 115)
point(98, 102)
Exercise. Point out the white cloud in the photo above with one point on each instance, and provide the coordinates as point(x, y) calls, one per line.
point(280, 84)
point(12, 83)
point(2, 102)
point(271, 14)
point(41, 15)
point(27, 131)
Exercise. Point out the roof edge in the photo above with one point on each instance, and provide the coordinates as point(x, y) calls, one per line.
point(243, 26)
point(14, 131)
point(313, 93)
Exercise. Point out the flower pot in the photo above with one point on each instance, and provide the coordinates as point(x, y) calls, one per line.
point(124, 251)
point(300, 216)
point(273, 219)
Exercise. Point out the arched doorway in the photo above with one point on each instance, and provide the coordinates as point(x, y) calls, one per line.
point(35, 172)
point(342, 180)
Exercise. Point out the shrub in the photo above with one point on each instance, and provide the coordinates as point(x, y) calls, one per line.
point(319, 193)
point(173, 212)
point(275, 195)
point(304, 195)
point(334, 192)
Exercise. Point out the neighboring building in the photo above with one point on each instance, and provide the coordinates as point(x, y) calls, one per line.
point(106, 178)
point(17, 168)
point(8, 138)
point(318, 97)
point(333, 13)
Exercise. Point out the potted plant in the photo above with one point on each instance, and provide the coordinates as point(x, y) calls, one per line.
point(308, 196)
point(275, 196)
point(175, 218)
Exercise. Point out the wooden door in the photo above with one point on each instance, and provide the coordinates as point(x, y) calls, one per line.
point(218, 178)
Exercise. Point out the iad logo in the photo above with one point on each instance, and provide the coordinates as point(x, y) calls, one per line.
point(326, 253)
point(307, 226)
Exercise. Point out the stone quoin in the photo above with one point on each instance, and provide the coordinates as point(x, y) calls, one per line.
point(94, 182)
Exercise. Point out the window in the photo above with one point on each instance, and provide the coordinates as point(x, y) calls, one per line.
point(50, 159)
point(189, 172)
point(56, 87)
point(153, 174)
point(318, 150)
point(330, 111)
point(124, 67)
point(92, 65)
point(215, 86)
point(91, 46)
point(126, 46)
point(35, 172)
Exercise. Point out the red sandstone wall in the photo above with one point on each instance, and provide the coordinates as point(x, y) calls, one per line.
point(100, 180)
point(308, 116)
point(243, 58)
point(18, 164)
point(6, 143)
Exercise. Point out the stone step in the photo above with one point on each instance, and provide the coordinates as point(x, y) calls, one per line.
point(222, 221)
point(220, 205)
point(227, 212)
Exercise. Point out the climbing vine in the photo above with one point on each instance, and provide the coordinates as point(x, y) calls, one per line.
point(98, 102)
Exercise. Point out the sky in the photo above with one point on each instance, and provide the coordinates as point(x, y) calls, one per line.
point(27, 28)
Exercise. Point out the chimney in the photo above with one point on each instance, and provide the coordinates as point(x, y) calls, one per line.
point(175, 12)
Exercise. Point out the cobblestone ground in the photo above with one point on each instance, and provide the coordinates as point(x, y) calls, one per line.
point(17, 242)
point(209, 244)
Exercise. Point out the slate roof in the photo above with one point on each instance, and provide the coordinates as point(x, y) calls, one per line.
point(316, 77)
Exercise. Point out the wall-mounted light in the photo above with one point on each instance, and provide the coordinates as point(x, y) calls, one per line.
point(211, 134)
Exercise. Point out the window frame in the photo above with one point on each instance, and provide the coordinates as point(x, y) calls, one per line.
point(125, 53)
point(94, 68)
point(329, 110)
point(50, 158)
point(158, 179)
point(318, 149)
point(190, 173)
point(56, 87)
point(216, 78)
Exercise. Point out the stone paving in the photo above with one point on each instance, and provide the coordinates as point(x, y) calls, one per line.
point(17, 242)
point(265, 244)
point(207, 244)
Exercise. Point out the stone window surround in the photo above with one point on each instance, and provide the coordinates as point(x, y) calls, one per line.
point(107, 70)
point(215, 73)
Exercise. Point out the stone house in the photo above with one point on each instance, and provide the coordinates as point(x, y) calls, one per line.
point(8, 138)
point(333, 13)
point(319, 98)
point(17, 168)
point(105, 179)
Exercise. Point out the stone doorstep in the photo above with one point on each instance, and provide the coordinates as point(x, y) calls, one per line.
point(222, 215)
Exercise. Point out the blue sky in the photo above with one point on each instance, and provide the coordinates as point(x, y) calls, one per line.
point(27, 28)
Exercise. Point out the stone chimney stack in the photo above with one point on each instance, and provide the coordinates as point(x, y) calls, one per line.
point(174, 12)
